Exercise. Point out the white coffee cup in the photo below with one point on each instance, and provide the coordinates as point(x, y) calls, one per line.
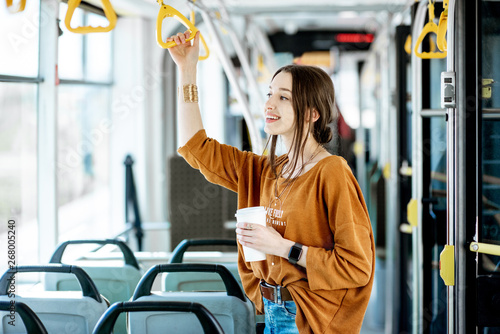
point(253, 215)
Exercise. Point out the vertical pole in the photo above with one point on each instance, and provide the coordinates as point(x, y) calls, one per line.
point(451, 163)
point(417, 177)
point(245, 63)
point(47, 130)
point(230, 71)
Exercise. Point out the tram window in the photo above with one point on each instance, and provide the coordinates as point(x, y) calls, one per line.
point(19, 40)
point(84, 57)
point(98, 51)
point(83, 160)
point(18, 170)
point(83, 130)
point(70, 56)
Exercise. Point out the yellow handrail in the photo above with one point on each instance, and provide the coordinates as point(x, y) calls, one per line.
point(108, 11)
point(20, 6)
point(480, 247)
point(442, 27)
point(430, 27)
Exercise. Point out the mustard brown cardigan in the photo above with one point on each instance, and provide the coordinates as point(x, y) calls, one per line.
point(323, 209)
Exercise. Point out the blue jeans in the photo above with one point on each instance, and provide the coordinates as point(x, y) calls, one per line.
point(280, 319)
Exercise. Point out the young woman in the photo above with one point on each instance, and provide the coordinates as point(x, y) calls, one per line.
point(319, 267)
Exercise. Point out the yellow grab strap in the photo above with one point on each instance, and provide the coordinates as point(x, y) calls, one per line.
point(430, 27)
point(442, 27)
point(19, 8)
point(169, 11)
point(108, 11)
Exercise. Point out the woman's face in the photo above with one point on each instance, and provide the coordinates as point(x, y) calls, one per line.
point(279, 114)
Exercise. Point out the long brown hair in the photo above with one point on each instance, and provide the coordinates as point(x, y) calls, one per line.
point(312, 89)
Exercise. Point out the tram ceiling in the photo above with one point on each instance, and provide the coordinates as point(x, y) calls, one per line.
point(274, 8)
point(291, 25)
point(248, 7)
point(307, 41)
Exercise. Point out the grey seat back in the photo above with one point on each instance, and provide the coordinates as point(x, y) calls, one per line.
point(60, 312)
point(201, 319)
point(116, 281)
point(30, 323)
point(232, 309)
point(197, 281)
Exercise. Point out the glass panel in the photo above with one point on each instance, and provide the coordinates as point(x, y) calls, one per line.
point(70, 46)
point(488, 201)
point(490, 224)
point(18, 170)
point(437, 240)
point(98, 51)
point(19, 40)
point(83, 162)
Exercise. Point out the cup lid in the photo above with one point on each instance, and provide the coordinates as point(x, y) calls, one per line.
point(250, 210)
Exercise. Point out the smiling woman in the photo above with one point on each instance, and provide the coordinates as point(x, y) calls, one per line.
point(74, 106)
point(332, 237)
point(280, 117)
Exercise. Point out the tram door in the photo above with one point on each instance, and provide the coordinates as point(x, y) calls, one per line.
point(484, 265)
point(474, 171)
point(487, 241)
point(427, 211)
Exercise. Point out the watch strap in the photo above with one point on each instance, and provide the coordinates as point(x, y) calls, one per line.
point(295, 253)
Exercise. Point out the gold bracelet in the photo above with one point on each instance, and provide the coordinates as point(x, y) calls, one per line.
point(190, 93)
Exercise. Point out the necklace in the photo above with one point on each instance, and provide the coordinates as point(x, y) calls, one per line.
point(276, 203)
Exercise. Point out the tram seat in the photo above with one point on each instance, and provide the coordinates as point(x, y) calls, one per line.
point(115, 281)
point(186, 314)
point(60, 312)
point(30, 324)
point(198, 281)
point(232, 309)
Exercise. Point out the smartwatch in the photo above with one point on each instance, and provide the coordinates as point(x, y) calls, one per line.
point(295, 253)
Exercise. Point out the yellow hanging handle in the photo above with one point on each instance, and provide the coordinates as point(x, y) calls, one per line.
point(205, 46)
point(169, 11)
point(442, 27)
point(20, 6)
point(108, 11)
point(430, 27)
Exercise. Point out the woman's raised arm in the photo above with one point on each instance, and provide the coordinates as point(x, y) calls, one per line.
point(185, 56)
